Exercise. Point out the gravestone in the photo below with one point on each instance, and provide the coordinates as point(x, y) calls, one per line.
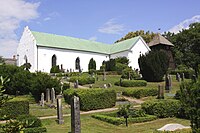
point(105, 86)
point(53, 99)
point(75, 115)
point(109, 85)
point(48, 95)
point(160, 92)
point(104, 75)
point(59, 110)
point(168, 83)
point(178, 77)
point(120, 82)
point(182, 77)
point(42, 100)
point(76, 84)
point(97, 78)
point(90, 86)
point(129, 76)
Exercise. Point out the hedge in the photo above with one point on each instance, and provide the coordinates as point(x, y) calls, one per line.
point(162, 108)
point(30, 121)
point(131, 83)
point(35, 130)
point(13, 109)
point(121, 120)
point(187, 73)
point(91, 99)
point(82, 80)
point(140, 92)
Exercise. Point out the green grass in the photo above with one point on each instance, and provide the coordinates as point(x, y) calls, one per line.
point(91, 125)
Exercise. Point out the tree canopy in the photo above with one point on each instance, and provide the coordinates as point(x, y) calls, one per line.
point(147, 36)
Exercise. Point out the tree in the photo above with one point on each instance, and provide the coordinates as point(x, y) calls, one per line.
point(187, 46)
point(92, 64)
point(153, 65)
point(147, 36)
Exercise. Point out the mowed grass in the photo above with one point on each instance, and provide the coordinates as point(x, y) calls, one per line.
point(91, 125)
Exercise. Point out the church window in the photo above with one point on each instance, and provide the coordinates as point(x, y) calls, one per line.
point(77, 63)
point(54, 60)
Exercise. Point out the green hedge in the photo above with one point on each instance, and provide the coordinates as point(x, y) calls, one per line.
point(30, 121)
point(35, 130)
point(82, 80)
point(121, 120)
point(131, 83)
point(140, 92)
point(13, 109)
point(91, 99)
point(162, 108)
point(187, 73)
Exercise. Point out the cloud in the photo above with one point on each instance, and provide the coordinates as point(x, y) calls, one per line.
point(184, 24)
point(12, 13)
point(112, 27)
point(93, 38)
point(47, 19)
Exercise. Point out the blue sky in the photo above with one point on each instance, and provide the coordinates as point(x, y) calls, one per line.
point(99, 20)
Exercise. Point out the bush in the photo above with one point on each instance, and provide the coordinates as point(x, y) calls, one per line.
point(153, 65)
point(131, 83)
point(110, 65)
point(91, 99)
point(83, 79)
point(133, 74)
point(92, 64)
point(162, 108)
point(121, 120)
point(13, 109)
point(66, 86)
point(29, 121)
point(187, 73)
point(55, 69)
point(41, 82)
point(140, 92)
point(35, 130)
point(120, 67)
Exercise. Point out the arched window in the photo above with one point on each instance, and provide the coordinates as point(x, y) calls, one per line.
point(77, 63)
point(25, 58)
point(53, 60)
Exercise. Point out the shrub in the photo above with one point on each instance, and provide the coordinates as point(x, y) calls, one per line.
point(55, 69)
point(153, 65)
point(133, 74)
point(121, 120)
point(187, 72)
point(66, 86)
point(29, 121)
point(83, 79)
point(91, 99)
point(131, 83)
point(140, 92)
point(92, 64)
point(110, 65)
point(35, 130)
point(162, 108)
point(12, 109)
point(120, 67)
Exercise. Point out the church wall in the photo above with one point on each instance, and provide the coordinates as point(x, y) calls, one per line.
point(67, 58)
point(27, 47)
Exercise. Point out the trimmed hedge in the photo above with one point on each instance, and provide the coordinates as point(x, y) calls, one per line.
point(162, 108)
point(120, 120)
point(91, 99)
point(140, 92)
point(82, 80)
point(13, 109)
point(131, 83)
point(30, 121)
point(35, 130)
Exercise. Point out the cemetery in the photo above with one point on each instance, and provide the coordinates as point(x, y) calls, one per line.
point(115, 98)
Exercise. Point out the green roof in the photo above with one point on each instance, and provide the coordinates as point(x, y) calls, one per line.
point(65, 42)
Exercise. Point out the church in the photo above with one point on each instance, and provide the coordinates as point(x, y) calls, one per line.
point(44, 50)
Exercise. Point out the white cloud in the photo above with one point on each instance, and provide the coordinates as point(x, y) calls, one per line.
point(12, 13)
point(93, 38)
point(47, 19)
point(112, 27)
point(184, 24)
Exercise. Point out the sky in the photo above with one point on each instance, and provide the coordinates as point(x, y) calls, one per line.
point(97, 20)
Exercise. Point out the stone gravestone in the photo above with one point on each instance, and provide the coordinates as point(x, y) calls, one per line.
point(104, 75)
point(59, 110)
point(129, 76)
point(75, 115)
point(178, 77)
point(168, 83)
point(76, 84)
point(53, 99)
point(42, 100)
point(182, 77)
point(48, 95)
point(160, 92)
point(109, 85)
point(105, 86)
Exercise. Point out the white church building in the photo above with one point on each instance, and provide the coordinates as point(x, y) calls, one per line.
point(44, 50)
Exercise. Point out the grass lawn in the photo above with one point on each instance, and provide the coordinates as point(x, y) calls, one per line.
point(91, 125)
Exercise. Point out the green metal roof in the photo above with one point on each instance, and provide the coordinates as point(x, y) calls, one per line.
point(65, 42)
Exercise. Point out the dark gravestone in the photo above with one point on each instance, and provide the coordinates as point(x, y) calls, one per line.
point(109, 85)
point(104, 75)
point(48, 95)
point(182, 77)
point(75, 115)
point(168, 83)
point(59, 110)
point(178, 77)
point(160, 92)
point(76, 84)
point(42, 100)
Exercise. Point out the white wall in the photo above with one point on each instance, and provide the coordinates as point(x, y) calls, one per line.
point(67, 58)
point(139, 48)
point(27, 46)
point(121, 54)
